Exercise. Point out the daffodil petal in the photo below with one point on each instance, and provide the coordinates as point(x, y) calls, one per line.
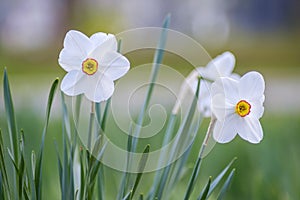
point(249, 128)
point(69, 61)
point(108, 45)
point(76, 47)
point(228, 87)
point(100, 88)
point(99, 38)
point(252, 86)
point(257, 109)
point(225, 130)
point(221, 107)
point(221, 66)
point(204, 99)
point(207, 73)
point(69, 84)
point(114, 65)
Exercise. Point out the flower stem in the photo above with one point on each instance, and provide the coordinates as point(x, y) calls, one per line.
point(91, 124)
point(199, 159)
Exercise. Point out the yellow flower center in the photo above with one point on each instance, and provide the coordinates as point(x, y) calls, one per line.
point(90, 66)
point(242, 108)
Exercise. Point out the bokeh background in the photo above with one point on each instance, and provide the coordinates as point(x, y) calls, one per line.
point(264, 35)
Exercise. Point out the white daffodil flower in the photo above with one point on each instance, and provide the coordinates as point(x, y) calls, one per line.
point(221, 66)
point(92, 65)
point(238, 106)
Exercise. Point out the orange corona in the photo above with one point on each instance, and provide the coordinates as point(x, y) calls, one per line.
point(242, 108)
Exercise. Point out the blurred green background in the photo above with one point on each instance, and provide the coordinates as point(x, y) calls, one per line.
point(263, 35)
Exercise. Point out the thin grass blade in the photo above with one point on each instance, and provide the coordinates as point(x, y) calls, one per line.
point(38, 167)
point(217, 180)
point(5, 184)
point(184, 128)
point(159, 53)
point(226, 185)
point(141, 167)
point(204, 193)
point(11, 120)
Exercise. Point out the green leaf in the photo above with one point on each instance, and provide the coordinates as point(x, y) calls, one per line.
point(193, 179)
point(105, 114)
point(4, 184)
point(141, 167)
point(127, 196)
point(226, 184)
point(32, 182)
point(126, 176)
point(21, 166)
point(11, 120)
point(1, 187)
point(217, 180)
point(38, 167)
point(183, 130)
point(60, 170)
point(162, 156)
point(159, 53)
point(204, 193)
point(141, 197)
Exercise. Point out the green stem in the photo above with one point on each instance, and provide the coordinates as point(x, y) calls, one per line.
point(91, 125)
point(199, 159)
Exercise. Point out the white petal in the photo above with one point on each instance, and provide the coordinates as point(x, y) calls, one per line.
point(228, 87)
point(225, 130)
point(221, 66)
point(257, 109)
point(220, 107)
point(114, 65)
point(204, 99)
point(99, 38)
point(98, 87)
point(252, 86)
point(109, 44)
point(69, 61)
point(69, 84)
point(249, 128)
point(235, 76)
point(207, 73)
point(76, 48)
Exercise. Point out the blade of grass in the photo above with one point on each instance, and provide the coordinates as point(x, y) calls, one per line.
point(125, 178)
point(38, 167)
point(127, 196)
point(60, 171)
point(12, 126)
point(5, 184)
point(1, 187)
point(159, 53)
point(32, 175)
point(141, 197)
point(21, 165)
point(11, 120)
point(189, 141)
point(196, 169)
point(184, 128)
point(169, 132)
point(204, 193)
point(141, 167)
point(217, 180)
point(226, 184)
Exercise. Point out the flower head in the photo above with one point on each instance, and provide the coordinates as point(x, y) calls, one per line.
point(221, 66)
point(238, 106)
point(92, 65)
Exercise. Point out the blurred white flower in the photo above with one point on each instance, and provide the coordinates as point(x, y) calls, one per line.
point(92, 65)
point(221, 66)
point(238, 106)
